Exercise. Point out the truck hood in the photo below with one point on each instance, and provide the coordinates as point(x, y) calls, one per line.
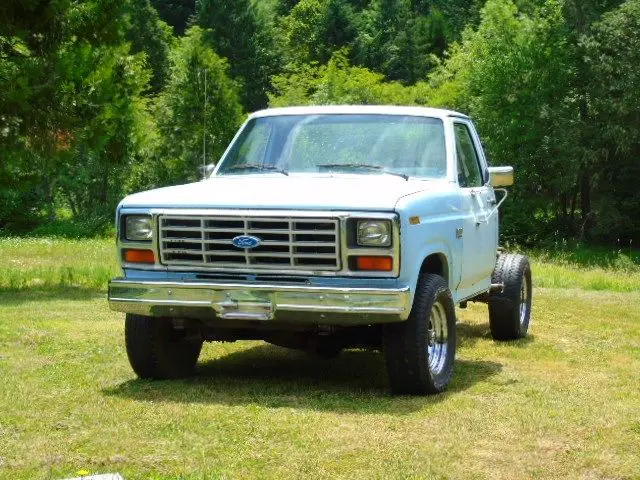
point(297, 191)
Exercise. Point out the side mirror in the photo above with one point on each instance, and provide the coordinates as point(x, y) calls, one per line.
point(500, 176)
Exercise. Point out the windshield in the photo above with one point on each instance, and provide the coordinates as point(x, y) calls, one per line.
point(345, 143)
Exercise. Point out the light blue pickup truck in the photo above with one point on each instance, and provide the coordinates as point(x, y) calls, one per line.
point(324, 228)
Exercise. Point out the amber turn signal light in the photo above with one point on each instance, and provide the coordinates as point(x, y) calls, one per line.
point(381, 264)
point(133, 255)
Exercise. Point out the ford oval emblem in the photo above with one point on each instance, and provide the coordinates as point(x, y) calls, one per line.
point(246, 241)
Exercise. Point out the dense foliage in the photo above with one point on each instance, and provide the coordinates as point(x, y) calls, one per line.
point(102, 97)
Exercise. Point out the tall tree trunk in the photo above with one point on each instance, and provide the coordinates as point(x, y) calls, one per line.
point(48, 195)
point(574, 200)
point(72, 201)
point(585, 202)
point(103, 194)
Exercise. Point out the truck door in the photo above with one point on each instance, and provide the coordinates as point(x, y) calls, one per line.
point(480, 231)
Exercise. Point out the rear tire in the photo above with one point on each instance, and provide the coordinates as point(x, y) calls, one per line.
point(510, 311)
point(420, 351)
point(158, 351)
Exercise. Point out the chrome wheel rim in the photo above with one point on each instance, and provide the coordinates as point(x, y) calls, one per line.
point(524, 300)
point(437, 336)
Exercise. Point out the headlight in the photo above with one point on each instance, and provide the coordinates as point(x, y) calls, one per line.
point(138, 228)
point(374, 233)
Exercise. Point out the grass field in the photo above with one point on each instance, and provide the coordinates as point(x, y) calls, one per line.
point(46, 263)
point(564, 403)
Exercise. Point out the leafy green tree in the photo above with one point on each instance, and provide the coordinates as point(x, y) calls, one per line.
point(97, 98)
point(455, 14)
point(338, 82)
point(69, 90)
point(283, 7)
point(437, 32)
point(149, 34)
point(314, 29)
point(515, 76)
point(394, 41)
point(176, 13)
point(246, 39)
point(380, 26)
point(200, 105)
point(580, 16)
point(108, 131)
point(612, 56)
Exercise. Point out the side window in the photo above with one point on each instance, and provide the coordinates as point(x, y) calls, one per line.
point(468, 164)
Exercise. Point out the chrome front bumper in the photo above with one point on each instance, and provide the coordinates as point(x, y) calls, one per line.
point(260, 302)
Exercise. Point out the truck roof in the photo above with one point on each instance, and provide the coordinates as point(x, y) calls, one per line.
point(358, 109)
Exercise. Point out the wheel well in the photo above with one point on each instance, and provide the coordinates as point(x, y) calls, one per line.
point(436, 263)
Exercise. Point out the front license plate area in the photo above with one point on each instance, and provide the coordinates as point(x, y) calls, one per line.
point(236, 306)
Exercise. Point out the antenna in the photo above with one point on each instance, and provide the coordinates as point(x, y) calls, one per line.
point(204, 129)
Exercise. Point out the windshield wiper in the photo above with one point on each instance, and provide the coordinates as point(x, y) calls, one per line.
point(366, 166)
point(257, 166)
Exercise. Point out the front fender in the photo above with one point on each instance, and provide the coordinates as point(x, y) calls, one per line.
point(429, 222)
point(412, 264)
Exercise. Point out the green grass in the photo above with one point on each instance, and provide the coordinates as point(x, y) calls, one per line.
point(587, 268)
point(553, 275)
point(55, 262)
point(563, 403)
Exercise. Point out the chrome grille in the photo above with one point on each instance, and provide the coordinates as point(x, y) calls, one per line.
point(287, 243)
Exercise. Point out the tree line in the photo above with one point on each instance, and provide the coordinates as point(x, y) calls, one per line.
point(99, 98)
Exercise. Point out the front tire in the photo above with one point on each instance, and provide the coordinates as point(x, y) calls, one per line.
point(158, 351)
point(510, 310)
point(420, 351)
